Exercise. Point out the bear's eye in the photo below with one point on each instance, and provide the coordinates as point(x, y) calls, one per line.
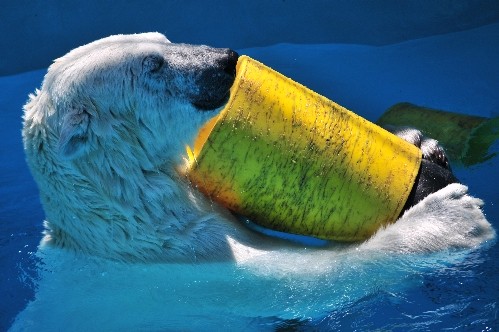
point(153, 63)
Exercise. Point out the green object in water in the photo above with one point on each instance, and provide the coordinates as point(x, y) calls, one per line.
point(466, 138)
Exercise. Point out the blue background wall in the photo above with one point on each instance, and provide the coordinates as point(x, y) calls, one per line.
point(33, 33)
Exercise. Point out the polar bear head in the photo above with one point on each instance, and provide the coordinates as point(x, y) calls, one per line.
point(132, 80)
point(104, 135)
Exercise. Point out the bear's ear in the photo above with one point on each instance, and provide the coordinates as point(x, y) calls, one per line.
point(74, 136)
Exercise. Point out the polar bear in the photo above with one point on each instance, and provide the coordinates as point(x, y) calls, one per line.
point(105, 136)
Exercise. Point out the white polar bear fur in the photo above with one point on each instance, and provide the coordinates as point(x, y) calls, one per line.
point(105, 148)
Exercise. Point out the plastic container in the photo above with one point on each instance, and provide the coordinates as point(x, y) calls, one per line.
point(293, 161)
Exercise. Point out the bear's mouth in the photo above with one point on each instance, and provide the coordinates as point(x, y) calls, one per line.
point(211, 104)
point(214, 90)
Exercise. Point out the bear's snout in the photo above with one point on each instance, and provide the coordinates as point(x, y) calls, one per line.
point(215, 81)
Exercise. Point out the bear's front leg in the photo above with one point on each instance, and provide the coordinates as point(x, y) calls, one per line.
point(435, 172)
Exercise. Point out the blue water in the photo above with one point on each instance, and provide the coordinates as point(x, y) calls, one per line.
point(445, 291)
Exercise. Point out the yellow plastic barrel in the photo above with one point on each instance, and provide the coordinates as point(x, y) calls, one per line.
point(293, 161)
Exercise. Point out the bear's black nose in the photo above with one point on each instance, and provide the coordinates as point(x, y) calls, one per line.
point(231, 62)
